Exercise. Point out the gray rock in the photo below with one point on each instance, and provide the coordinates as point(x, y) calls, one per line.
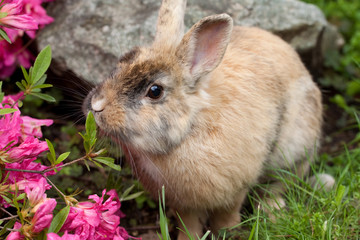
point(88, 36)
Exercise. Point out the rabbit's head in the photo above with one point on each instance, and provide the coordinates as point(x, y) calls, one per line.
point(151, 100)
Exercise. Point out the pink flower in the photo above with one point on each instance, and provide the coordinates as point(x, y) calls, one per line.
point(22, 16)
point(36, 11)
point(12, 55)
point(28, 149)
point(32, 126)
point(43, 215)
point(14, 235)
point(13, 99)
point(9, 129)
point(27, 177)
point(10, 123)
point(121, 234)
point(36, 194)
point(15, 19)
point(31, 184)
point(82, 219)
point(66, 236)
point(98, 219)
point(41, 220)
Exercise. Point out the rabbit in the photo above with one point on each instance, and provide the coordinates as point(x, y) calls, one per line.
point(206, 113)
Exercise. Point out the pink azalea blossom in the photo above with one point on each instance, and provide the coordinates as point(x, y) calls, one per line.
point(41, 220)
point(31, 147)
point(15, 19)
point(32, 126)
point(23, 16)
point(31, 184)
point(13, 99)
point(14, 235)
point(17, 177)
point(10, 123)
point(24, 148)
point(43, 215)
point(121, 234)
point(98, 219)
point(9, 126)
point(38, 13)
point(12, 55)
point(36, 194)
point(66, 236)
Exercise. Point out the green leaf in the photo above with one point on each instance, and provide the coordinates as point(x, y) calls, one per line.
point(7, 226)
point(62, 157)
point(7, 111)
point(1, 93)
point(41, 80)
point(87, 146)
point(59, 220)
point(97, 164)
point(21, 197)
point(108, 162)
point(83, 136)
point(24, 83)
point(126, 192)
point(87, 165)
point(42, 86)
point(132, 196)
point(30, 74)
point(52, 154)
point(41, 64)
point(25, 73)
point(20, 86)
point(44, 96)
point(4, 36)
point(90, 126)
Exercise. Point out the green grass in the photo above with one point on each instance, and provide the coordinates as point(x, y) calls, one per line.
point(316, 214)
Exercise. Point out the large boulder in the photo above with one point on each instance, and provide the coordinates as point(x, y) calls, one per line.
point(88, 36)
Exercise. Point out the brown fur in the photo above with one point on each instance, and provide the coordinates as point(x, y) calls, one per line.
point(232, 107)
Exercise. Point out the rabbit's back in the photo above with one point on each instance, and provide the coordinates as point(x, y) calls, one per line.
point(272, 75)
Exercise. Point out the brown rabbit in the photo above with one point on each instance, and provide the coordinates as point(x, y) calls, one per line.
point(206, 113)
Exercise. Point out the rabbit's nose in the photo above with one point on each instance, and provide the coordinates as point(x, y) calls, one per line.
point(98, 105)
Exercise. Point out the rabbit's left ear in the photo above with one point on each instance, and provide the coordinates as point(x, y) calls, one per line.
point(204, 45)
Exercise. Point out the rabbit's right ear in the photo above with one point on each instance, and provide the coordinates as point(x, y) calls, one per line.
point(203, 46)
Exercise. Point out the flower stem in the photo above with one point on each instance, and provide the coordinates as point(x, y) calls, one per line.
point(5, 211)
point(8, 218)
point(47, 169)
point(52, 184)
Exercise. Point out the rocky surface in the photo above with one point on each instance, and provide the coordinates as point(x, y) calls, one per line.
point(88, 36)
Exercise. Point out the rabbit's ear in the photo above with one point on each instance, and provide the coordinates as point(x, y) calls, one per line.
point(203, 47)
point(170, 23)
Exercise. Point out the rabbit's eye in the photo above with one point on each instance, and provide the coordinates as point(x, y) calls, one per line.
point(155, 92)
